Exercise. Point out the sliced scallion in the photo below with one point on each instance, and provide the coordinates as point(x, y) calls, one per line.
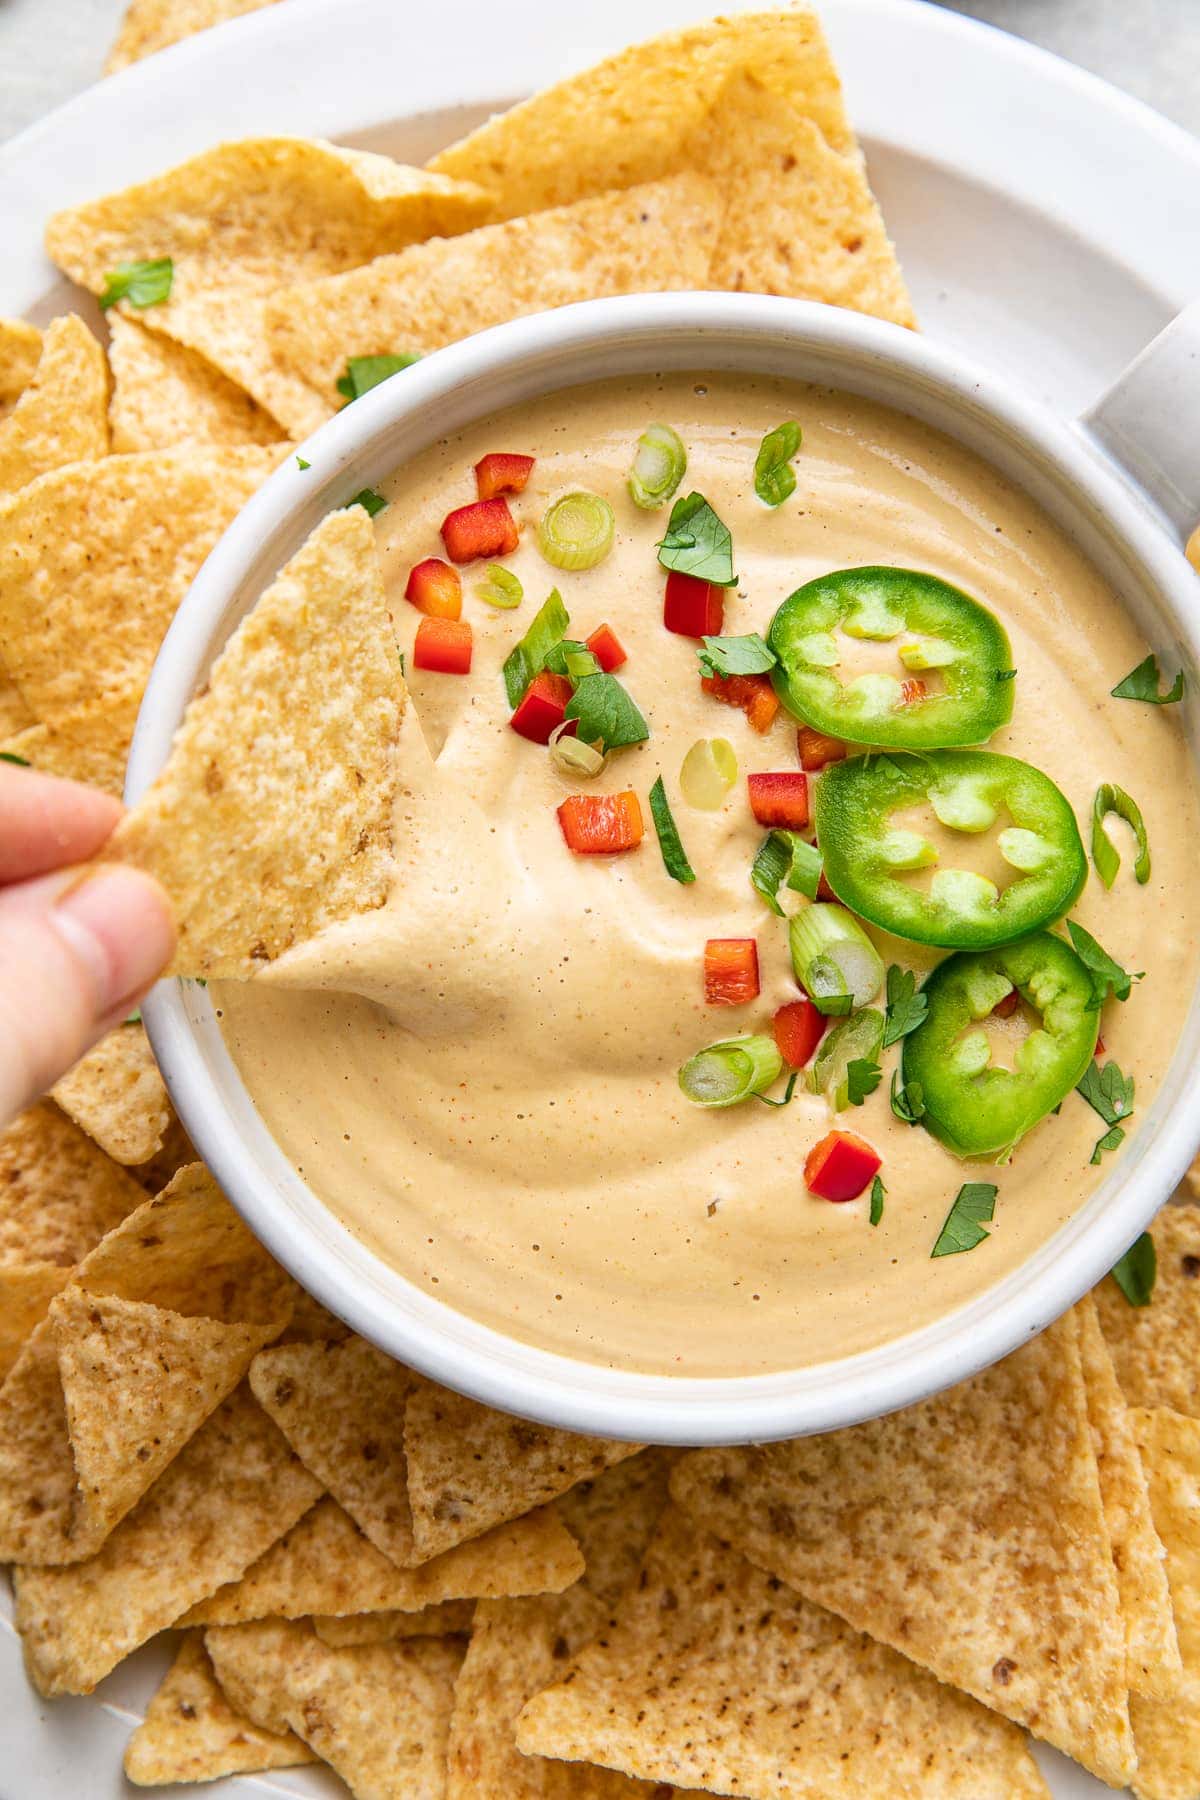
point(774, 477)
point(786, 857)
point(576, 531)
point(527, 658)
point(709, 770)
point(855, 1040)
point(572, 757)
point(834, 959)
point(1105, 855)
point(731, 1071)
point(674, 855)
point(500, 587)
point(658, 467)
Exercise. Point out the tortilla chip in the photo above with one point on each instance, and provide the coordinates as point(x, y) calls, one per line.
point(164, 395)
point(1168, 1731)
point(101, 554)
point(150, 25)
point(441, 1620)
point(59, 1192)
point(378, 1716)
point(1153, 1663)
point(714, 1676)
point(116, 1094)
point(62, 416)
point(1156, 1348)
point(519, 1646)
point(20, 349)
point(273, 815)
point(312, 1323)
point(326, 1566)
point(341, 1408)
point(245, 218)
point(651, 238)
point(471, 1467)
point(967, 1532)
point(16, 721)
point(26, 1290)
point(191, 1733)
point(629, 118)
point(228, 1494)
point(37, 1470)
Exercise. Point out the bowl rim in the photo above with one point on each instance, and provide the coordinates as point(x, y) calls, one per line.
point(1059, 466)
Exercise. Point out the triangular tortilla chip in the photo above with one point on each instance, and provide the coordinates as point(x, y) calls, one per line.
point(648, 239)
point(62, 416)
point(355, 1629)
point(164, 395)
point(26, 1290)
point(37, 1470)
point(470, 1467)
point(150, 25)
point(245, 218)
point(1168, 1731)
point(59, 1192)
point(629, 118)
point(1156, 1348)
point(116, 1094)
point(378, 1716)
point(17, 723)
point(101, 554)
point(714, 1676)
point(520, 1646)
point(326, 1565)
point(967, 1532)
point(20, 350)
point(273, 816)
point(1153, 1661)
point(228, 1494)
point(191, 1733)
point(341, 1408)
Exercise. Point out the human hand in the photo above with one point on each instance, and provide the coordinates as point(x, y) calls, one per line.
point(78, 948)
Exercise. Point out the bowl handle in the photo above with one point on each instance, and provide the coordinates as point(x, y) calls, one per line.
point(1148, 422)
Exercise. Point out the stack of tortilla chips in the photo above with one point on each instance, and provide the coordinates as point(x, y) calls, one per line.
point(353, 1565)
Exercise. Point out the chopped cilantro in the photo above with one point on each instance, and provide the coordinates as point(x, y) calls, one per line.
point(141, 283)
point(1143, 683)
point(606, 712)
point(369, 500)
point(863, 1076)
point(697, 543)
point(365, 372)
point(1136, 1272)
point(906, 1007)
point(973, 1208)
point(908, 1102)
point(748, 655)
point(1105, 973)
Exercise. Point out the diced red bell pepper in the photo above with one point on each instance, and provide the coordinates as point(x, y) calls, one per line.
point(435, 588)
point(601, 824)
point(692, 607)
point(840, 1167)
point(502, 472)
point(607, 648)
point(1004, 1009)
point(798, 1029)
point(824, 891)
point(443, 646)
point(780, 799)
point(911, 691)
point(484, 528)
point(816, 750)
point(753, 693)
point(730, 971)
point(543, 707)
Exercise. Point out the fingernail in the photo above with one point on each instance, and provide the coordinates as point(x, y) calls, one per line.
point(118, 923)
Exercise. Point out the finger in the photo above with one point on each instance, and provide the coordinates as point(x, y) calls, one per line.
point(46, 823)
point(75, 957)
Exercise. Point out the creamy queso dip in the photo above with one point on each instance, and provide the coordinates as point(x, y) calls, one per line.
point(480, 1078)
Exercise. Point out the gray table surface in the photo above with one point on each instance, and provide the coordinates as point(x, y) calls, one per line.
point(49, 49)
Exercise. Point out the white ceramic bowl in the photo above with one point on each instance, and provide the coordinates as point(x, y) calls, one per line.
point(1130, 534)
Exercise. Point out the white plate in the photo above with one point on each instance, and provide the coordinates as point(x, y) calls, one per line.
point(1048, 225)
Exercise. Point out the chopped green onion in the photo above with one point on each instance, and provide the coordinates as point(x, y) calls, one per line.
point(365, 372)
point(788, 1091)
point(10, 756)
point(1142, 684)
point(697, 543)
point(709, 770)
point(371, 502)
point(1136, 1272)
point(500, 587)
point(576, 530)
point(834, 959)
point(527, 658)
point(1105, 855)
point(855, 1040)
point(658, 467)
point(774, 477)
point(731, 1071)
point(673, 853)
point(572, 757)
point(141, 283)
point(784, 856)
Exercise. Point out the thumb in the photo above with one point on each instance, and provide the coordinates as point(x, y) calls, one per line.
point(75, 957)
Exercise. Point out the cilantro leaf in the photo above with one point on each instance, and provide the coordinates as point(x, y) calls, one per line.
point(1006, 674)
point(1107, 1091)
point(863, 1076)
point(1105, 973)
point(365, 372)
point(908, 1102)
point(369, 500)
point(1136, 1272)
point(301, 464)
point(141, 283)
point(674, 855)
point(748, 655)
point(878, 1195)
point(774, 476)
point(1112, 1140)
point(697, 543)
point(607, 714)
point(906, 1008)
point(1142, 683)
point(974, 1207)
